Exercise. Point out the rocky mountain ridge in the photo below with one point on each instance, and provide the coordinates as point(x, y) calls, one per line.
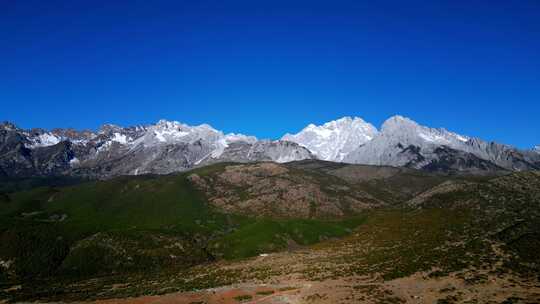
point(401, 142)
point(162, 148)
point(170, 146)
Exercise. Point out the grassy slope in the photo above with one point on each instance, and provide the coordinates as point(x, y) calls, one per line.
point(390, 243)
point(507, 209)
point(143, 215)
point(264, 235)
point(448, 233)
point(119, 218)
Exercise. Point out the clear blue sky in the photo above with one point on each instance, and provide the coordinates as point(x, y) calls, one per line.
point(269, 67)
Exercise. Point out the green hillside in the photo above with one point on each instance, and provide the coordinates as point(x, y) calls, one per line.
point(157, 233)
point(135, 223)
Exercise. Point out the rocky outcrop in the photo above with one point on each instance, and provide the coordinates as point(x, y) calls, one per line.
point(274, 190)
point(403, 142)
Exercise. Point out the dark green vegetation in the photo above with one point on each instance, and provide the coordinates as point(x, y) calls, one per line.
point(402, 243)
point(266, 235)
point(9, 185)
point(130, 224)
point(140, 230)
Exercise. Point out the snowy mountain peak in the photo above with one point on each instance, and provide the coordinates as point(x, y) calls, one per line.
point(169, 146)
point(344, 122)
point(404, 142)
point(409, 131)
point(234, 137)
point(335, 139)
point(109, 128)
point(179, 129)
point(397, 122)
point(167, 123)
point(166, 132)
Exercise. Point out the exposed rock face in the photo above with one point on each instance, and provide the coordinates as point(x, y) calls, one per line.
point(162, 148)
point(264, 150)
point(400, 143)
point(335, 139)
point(403, 142)
point(503, 155)
point(445, 159)
point(17, 159)
point(170, 146)
point(270, 189)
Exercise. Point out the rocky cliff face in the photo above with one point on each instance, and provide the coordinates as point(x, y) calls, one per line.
point(403, 142)
point(170, 146)
point(22, 155)
point(277, 151)
point(161, 148)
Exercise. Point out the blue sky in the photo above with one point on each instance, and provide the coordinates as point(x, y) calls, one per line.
point(270, 67)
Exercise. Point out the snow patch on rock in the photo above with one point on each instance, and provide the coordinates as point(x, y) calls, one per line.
point(120, 138)
point(44, 140)
point(333, 140)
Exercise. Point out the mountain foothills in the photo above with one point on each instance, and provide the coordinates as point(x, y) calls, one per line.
point(308, 231)
point(167, 147)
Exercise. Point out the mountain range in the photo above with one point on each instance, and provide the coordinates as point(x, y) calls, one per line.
point(170, 146)
point(267, 214)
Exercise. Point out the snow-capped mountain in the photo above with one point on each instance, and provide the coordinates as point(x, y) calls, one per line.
point(398, 134)
point(170, 146)
point(403, 142)
point(165, 147)
point(334, 140)
point(537, 149)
